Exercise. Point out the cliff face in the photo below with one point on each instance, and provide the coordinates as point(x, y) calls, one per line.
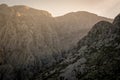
point(28, 41)
point(27, 37)
point(104, 56)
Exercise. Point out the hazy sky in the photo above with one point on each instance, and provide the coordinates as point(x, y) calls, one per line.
point(108, 8)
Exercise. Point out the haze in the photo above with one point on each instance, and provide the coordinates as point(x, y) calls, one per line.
point(107, 8)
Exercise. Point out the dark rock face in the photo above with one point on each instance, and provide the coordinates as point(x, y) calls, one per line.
point(99, 31)
point(103, 56)
point(117, 20)
point(117, 23)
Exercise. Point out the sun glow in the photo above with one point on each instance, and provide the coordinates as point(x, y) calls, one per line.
point(26, 7)
point(18, 14)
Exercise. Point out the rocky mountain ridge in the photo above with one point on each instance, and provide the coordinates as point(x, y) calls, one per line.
point(32, 41)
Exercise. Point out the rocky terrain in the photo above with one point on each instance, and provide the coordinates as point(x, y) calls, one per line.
point(36, 46)
point(96, 56)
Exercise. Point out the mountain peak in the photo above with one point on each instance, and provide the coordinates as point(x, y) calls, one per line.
point(22, 7)
point(81, 13)
point(101, 27)
point(24, 10)
point(3, 5)
point(117, 20)
point(28, 10)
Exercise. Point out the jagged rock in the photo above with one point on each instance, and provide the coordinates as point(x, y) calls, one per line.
point(117, 20)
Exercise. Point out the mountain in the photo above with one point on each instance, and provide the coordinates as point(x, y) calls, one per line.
point(73, 26)
point(96, 56)
point(28, 40)
point(33, 42)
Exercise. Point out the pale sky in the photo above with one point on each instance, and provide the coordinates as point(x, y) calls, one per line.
point(107, 8)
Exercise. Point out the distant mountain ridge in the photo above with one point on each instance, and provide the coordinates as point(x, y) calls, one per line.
point(24, 10)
